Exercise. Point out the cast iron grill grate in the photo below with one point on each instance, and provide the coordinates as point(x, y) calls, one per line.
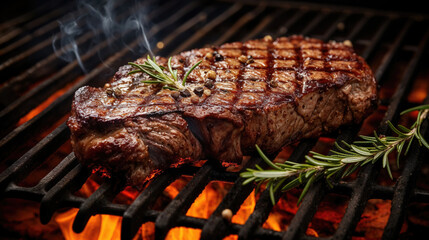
point(381, 38)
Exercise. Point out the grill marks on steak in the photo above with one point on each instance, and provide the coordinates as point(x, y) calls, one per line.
point(295, 87)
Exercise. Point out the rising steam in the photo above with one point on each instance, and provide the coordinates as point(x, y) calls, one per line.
point(94, 22)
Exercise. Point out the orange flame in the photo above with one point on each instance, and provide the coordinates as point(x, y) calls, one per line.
point(48, 101)
point(99, 227)
point(108, 227)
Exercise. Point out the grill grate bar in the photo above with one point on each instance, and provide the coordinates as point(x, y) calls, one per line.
point(14, 191)
point(133, 217)
point(380, 192)
point(34, 156)
point(263, 205)
point(406, 183)
point(173, 18)
point(20, 36)
point(315, 194)
point(26, 17)
point(362, 192)
point(239, 24)
point(306, 211)
point(263, 233)
point(65, 166)
point(104, 194)
point(403, 86)
point(375, 41)
point(62, 104)
point(44, 67)
point(319, 17)
point(381, 70)
point(76, 174)
point(52, 200)
point(404, 188)
point(308, 208)
point(32, 32)
point(201, 17)
point(165, 221)
point(68, 73)
point(334, 26)
point(43, 27)
point(313, 198)
point(295, 18)
point(43, 49)
point(225, 176)
point(216, 227)
point(181, 203)
point(358, 28)
point(207, 28)
point(248, 229)
point(34, 97)
point(262, 24)
point(49, 213)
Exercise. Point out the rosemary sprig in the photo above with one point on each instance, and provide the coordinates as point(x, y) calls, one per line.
point(160, 75)
point(342, 161)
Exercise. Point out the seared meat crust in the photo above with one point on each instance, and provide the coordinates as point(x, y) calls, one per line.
point(265, 92)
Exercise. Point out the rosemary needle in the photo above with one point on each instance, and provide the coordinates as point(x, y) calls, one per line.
point(342, 162)
point(160, 75)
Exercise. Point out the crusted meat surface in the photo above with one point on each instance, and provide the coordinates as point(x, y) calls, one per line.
point(266, 92)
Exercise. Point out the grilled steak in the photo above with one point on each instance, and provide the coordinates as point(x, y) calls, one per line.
point(266, 92)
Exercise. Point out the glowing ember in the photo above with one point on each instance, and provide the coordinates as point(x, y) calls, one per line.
point(108, 227)
point(102, 171)
point(48, 101)
point(324, 223)
point(419, 91)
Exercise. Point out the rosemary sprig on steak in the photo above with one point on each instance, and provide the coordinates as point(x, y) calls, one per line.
point(341, 162)
point(169, 79)
point(225, 108)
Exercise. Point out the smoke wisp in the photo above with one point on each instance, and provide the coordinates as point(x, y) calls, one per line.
point(113, 22)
